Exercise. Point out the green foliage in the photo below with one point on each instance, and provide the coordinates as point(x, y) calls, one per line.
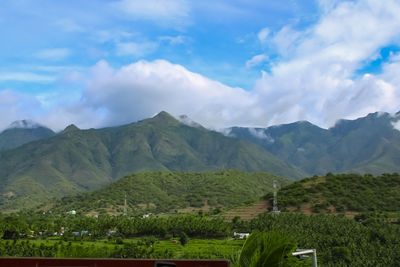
point(344, 192)
point(339, 241)
point(267, 249)
point(166, 191)
point(183, 238)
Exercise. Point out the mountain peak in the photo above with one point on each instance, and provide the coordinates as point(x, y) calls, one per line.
point(24, 124)
point(70, 128)
point(163, 115)
point(164, 118)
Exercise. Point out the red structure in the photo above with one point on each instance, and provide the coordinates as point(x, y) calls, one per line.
point(53, 262)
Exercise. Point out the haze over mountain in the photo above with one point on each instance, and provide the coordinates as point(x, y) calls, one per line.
point(22, 132)
point(369, 144)
point(79, 160)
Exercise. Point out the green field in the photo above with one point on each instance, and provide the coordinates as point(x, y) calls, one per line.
point(143, 247)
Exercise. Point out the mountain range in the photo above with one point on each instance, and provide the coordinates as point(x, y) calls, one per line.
point(37, 164)
point(77, 160)
point(369, 144)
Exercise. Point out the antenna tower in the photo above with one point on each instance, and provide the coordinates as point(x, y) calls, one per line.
point(275, 209)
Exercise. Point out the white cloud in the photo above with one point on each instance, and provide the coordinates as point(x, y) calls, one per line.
point(256, 60)
point(263, 35)
point(26, 77)
point(143, 89)
point(327, 5)
point(286, 40)
point(54, 54)
point(315, 79)
point(136, 49)
point(140, 90)
point(260, 133)
point(174, 12)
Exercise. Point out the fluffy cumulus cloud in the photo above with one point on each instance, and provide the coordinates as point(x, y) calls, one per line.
point(316, 78)
point(143, 89)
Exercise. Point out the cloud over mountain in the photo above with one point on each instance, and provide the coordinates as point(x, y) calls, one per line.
point(333, 67)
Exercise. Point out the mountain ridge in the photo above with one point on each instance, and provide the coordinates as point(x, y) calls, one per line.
point(367, 144)
point(80, 160)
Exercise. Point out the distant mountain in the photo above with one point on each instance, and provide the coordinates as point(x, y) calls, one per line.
point(168, 191)
point(366, 145)
point(79, 160)
point(22, 132)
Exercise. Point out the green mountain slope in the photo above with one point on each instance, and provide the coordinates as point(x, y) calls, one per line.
point(14, 137)
point(80, 160)
point(367, 145)
point(166, 191)
point(342, 193)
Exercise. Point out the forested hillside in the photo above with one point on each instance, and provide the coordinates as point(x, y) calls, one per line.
point(172, 191)
point(344, 193)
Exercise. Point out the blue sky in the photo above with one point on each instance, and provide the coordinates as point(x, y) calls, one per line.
point(252, 63)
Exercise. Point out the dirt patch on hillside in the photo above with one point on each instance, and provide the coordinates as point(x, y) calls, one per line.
point(92, 213)
point(332, 209)
point(306, 208)
point(249, 212)
point(112, 210)
point(292, 209)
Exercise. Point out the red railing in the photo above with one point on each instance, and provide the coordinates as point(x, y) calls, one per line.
point(53, 262)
